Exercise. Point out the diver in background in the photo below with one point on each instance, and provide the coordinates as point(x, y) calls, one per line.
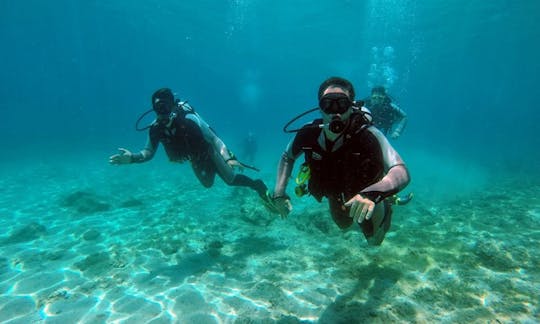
point(386, 115)
point(187, 137)
point(347, 160)
point(249, 148)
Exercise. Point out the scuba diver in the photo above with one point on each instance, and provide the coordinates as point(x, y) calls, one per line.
point(249, 147)
point(386, 115)
point(187, 137)
point(347, 160)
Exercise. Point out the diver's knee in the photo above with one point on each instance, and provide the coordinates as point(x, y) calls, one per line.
point(206, 181)
point(205, 178)
point(340, 216)
point(343, 223)
point(207, 184)
point(377, 238)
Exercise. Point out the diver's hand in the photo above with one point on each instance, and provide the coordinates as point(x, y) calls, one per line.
point(394, 135)
point(124, 157)
point(233, 163)
point(361, 208)
point(282, 205)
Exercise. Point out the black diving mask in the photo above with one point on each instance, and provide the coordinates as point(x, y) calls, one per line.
point(336, 125)
point(335, 103)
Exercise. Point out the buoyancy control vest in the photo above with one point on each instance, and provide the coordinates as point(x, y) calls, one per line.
point(182, 139)
point(357, 164)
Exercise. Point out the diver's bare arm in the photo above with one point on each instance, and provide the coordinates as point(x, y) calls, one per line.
point(400, 126)
point(147, 153)
point(285, 168)
point(397, 175)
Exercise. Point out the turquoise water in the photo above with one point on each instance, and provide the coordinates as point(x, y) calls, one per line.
point(84, 241)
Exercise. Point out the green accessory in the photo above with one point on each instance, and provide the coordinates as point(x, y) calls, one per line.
point(301, 190)
point(303, 176)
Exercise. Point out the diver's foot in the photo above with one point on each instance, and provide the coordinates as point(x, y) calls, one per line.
point(400, 201)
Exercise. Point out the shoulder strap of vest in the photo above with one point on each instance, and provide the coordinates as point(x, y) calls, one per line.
point(183, 108)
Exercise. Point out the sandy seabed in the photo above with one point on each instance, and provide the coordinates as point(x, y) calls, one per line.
point(92, 243)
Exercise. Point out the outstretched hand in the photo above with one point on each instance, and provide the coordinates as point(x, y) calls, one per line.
point(361, 208)
point(124, 157)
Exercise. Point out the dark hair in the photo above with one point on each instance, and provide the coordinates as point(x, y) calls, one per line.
point(337, 82)
point(163, 94)
point(378, 89)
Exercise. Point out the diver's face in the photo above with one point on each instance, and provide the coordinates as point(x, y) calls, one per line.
point(163, 111)
point(335, 92)
point(377, 98)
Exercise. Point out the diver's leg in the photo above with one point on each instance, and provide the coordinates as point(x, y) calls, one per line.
point(245, 181)
point(339, 213)
point(205, 170)
point(231, 178)
point(375, 229)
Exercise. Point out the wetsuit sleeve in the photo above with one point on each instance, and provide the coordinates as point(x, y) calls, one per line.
point(147, 153)
point(210, 137)
point(396, 177)
point(401, 118)
point(285, 167)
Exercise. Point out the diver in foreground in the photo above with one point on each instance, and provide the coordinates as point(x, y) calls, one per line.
point(187, 137)
point(347, 160)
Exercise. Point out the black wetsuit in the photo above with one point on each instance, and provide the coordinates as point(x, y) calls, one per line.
point(187, 136)
point(387, 116)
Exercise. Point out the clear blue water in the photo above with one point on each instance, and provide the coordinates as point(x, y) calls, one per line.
point(466, 71)
point(75, 75)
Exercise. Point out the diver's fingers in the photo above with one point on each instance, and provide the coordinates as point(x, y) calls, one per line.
point(361, 213)
point(114, 159)
point(369, 210)
point(354, 209)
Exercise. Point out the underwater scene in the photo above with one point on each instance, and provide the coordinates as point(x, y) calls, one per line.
point(101, 226)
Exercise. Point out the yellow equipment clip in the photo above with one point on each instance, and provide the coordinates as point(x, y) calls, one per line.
point(303, 176)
